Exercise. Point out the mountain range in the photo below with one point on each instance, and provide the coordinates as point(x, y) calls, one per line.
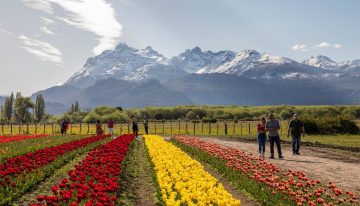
point(131, 77)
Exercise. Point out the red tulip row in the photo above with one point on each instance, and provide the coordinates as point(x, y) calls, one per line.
point(292, 184)
point(21, 173)
point(95, 179)
point(16, 138)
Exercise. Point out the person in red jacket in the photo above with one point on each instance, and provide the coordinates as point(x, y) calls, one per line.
point(99, 130)
point(110, 124)
point(261, 136)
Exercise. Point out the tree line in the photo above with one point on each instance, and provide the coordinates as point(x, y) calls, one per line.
point(20, 109)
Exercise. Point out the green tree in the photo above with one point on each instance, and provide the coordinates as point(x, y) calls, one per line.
point(22, 107)
point(39, 107)
point(77, 107)
point(8, 107)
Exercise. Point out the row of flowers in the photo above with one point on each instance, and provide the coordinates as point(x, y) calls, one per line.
point(16, 138)
point(289, 184)
point(182, 180)
point(94, 181)
point(21, 173)
point(13, 149)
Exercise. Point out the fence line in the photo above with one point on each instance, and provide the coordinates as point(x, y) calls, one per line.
point(155, 127)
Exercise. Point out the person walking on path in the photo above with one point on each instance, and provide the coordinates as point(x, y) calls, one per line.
point(146, 124)
point(135, 127)
point(64, 126)
point(261, 136)
point(273, 126)
point(296, 128)
point(110, 125)
point(99, 130)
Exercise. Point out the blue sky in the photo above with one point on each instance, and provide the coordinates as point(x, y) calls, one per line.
point(43, 42)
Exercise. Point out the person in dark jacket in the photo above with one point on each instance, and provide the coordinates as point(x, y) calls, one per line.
point(135, 127)
point(296, 128)
point(63, 126)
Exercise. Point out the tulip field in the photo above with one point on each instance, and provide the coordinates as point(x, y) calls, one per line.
point(150, 170)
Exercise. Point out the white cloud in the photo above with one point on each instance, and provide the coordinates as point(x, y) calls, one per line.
point(42, 50)
point(42, 5)
point(47, 20)
point(46, 30)
point(299, 47)
point(96, 16)
point(322, 45)
point(337, 46)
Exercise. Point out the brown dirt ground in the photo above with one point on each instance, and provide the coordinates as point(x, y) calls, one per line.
point(339, 166)
point(145, 188)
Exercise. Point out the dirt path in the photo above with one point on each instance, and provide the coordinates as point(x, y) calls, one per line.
point(140, 189)
point(145, 190)
point(341, 167)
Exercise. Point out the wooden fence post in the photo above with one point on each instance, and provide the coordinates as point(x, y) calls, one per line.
point(234, 128)
point(202, 128)
point(44, 128)
point(194, 127)
point(170, 127)
point(88, 129)
point(19, 129)
point(155, 127)
point(217, 128)
point(249, 127)
point(71, 126)
point(35, 128)
point(179, 127)
point(80, 128)
point(226, 132)
point(186, 128)
point(163, 127)
point(2, 127)
point(241, 126)
point(27, 128)
point(11, 128)
point(209, 127)
point(52, 128)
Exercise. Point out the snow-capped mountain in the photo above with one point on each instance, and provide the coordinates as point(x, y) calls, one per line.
point(195, 60)
point(127, 63)
point(324, 62)
point(321, 61)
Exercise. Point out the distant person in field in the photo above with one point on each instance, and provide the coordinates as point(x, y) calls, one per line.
point(261, 136)
point(273, 126)
point(110, 125)
point(99, 130)
point(64, 126)
point(135, 127)
point(146, 124)
point(296, 128)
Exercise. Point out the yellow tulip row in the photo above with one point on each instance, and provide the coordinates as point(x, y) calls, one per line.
point(182, 180)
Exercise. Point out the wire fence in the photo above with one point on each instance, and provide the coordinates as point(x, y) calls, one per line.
point(154, 127)
point(231, 128)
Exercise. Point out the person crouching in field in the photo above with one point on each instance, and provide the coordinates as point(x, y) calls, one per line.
point(273, 126)
point(99, 130)
point(110, 125)
point(135, 127)
point(296, 128)
point(261, 136)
